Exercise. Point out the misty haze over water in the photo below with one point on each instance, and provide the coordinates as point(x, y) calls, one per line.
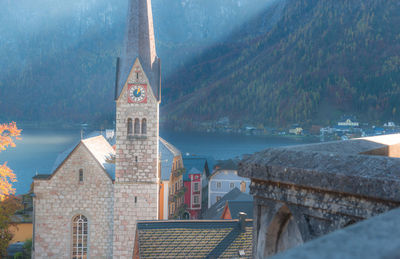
point(38, 149)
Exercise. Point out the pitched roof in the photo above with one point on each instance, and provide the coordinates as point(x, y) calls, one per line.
point(194, 239)
point(199, 163)
point(41, 176)
point(139, 43)
point(240, 206)
point(216, 210)
point(98, 147)
point(167, 154)
point(103, 152)
point(108, 134)
point(230, 164)
point(62, 156)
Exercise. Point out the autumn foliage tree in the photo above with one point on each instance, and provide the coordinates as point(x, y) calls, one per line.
point(9, 204)
point(8, 132)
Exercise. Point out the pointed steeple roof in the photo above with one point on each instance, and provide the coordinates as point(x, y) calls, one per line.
point(139, 43)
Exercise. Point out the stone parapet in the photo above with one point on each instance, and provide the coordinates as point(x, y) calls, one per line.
point(303, 192)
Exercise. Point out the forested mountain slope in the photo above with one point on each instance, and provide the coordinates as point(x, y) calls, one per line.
point(320, 60)
point(57, 57)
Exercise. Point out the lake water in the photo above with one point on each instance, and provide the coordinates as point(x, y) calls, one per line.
point(39, 148)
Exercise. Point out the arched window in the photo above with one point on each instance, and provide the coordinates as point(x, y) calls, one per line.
point(144, 126)
point(129, 126)
point(79, 237)
point(80, 175)
point(137, 126)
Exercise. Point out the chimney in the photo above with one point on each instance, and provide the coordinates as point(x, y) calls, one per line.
point(242, 220)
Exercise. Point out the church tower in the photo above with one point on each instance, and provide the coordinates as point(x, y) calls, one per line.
point(137, 95)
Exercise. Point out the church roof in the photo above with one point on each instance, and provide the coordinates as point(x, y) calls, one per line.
point(108, 134)
point(139, 43)
point(98, 147)
point(194, 239)
point(103, 152)
point(167, 154)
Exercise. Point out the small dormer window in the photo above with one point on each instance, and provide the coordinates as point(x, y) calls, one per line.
point(81, 175)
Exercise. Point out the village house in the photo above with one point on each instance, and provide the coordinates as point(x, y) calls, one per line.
point(217, 209)
point(197, 168)
point(223, 179)
point(170, 162)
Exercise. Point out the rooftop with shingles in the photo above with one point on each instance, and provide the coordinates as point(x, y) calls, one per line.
point(194, 239)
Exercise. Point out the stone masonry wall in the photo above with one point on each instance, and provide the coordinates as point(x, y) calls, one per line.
point(137, 184)
point(62, 197)
point(304, 192)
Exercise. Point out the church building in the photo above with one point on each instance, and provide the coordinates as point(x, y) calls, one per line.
point(89, 205)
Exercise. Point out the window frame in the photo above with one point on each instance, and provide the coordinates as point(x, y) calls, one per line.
point(80, 175)
point(129, 127)
point(136, 128)
point(196, 187)
point(80, 227)
point(144, 126)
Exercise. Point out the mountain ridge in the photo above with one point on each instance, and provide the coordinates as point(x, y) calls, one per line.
point(320, 61)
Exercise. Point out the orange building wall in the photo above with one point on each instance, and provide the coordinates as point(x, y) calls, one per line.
point(161, 202)
point(21, 231)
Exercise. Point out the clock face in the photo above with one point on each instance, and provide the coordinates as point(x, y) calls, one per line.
point(137, 93)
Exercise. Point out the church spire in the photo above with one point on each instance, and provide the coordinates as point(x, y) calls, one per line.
point(139, 43)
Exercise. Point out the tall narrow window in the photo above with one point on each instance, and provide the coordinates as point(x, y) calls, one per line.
point(80, 175)
point(137, 126)
point(129, 126)
point(144, 126)
point(79, 237)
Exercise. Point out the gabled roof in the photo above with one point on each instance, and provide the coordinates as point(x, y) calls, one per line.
point(97, 146)
point(62, 156)
point(199, 162)
point(216, 210)
point(167, 154)
point(194, 239)
point(103, 152)
point(139, 43)
point(239, 206)
point(108, 134)
point(191, 171)
point(230, 164)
